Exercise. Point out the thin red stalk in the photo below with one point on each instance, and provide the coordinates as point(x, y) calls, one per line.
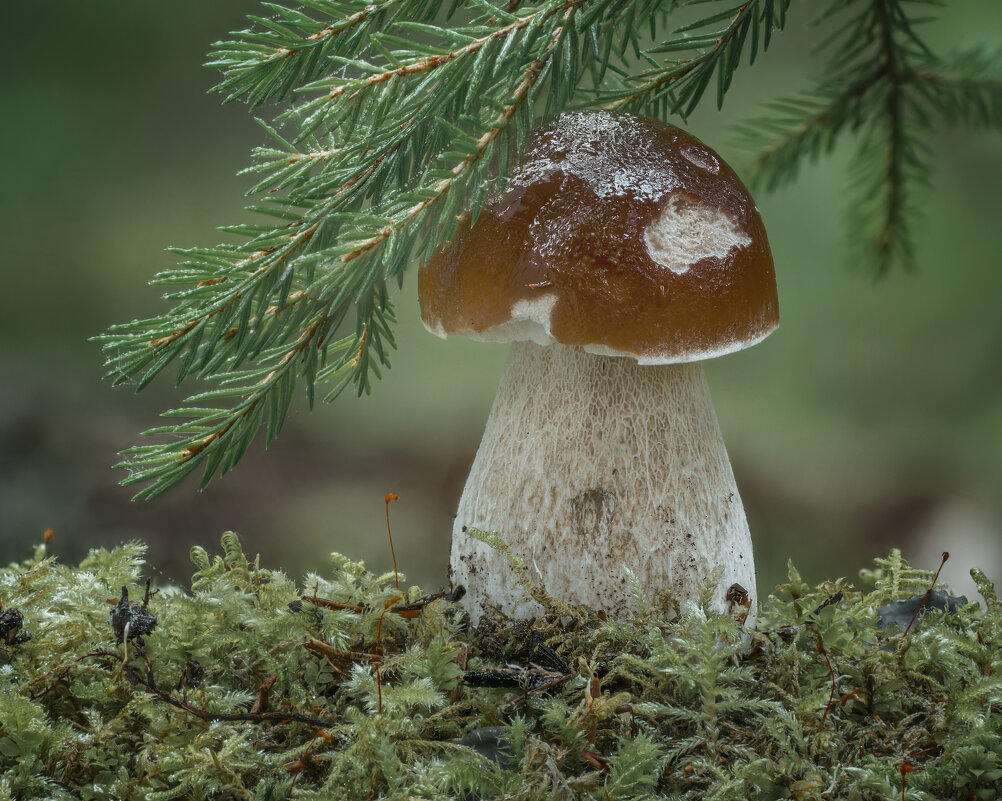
point(392, 497)
point(946, 555)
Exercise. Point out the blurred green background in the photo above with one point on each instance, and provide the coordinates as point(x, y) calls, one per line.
point(872, 418)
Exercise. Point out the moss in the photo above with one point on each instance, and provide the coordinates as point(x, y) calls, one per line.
point(242, 690)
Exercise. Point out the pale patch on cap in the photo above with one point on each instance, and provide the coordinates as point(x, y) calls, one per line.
point(435, 328)
point(529, 322)
point(701, 158)
point(688, 231)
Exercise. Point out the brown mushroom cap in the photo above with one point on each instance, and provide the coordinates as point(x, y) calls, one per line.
point(619, 233)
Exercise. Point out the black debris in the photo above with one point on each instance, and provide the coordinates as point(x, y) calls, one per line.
point(133, 617)
point(543, 655)
point(192, 675)
point(489, 741)
point(902, 611)
point(11, 622)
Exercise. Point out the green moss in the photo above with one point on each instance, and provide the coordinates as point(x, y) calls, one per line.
point(673, 704)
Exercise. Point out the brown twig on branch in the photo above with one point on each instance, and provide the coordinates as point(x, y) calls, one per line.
point(296, 242)
point(300, 345)
point(320, 648)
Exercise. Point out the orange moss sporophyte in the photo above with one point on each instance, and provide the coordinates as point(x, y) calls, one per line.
point(392, 497)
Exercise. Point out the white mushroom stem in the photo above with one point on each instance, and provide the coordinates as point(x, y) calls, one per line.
point(592, 464)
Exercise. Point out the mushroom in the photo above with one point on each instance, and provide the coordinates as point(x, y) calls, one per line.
point(621, 253)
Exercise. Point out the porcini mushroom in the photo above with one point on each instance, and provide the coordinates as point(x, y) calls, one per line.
point(622, 252)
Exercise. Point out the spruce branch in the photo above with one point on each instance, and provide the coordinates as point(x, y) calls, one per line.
point(264, 63)
point(966, 83)
point(884, 85)
point(395, 119)
point(396, 149)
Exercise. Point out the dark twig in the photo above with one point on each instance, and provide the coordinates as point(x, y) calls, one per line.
point(409, 611)
point(831, 601)
point(831, 670)
point(149, 682)
point(60, 672)
point(549, 685)
point(321, 648)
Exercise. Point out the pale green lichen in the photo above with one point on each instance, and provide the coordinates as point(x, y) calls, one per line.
point(369, 703)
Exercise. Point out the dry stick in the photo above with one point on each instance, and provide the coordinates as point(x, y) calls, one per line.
point(62, 670)
point(150, 683)
point(946, 555)
point(297, 767)
point(336, 668)
point(263, 696)
point(323, 602)
point(597, 761)
point(409, 611)
point(547, 686)
point(392, 497)
point(851, 694)
point(323, 649)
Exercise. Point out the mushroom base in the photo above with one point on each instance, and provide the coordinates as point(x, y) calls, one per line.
point(590, 465)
